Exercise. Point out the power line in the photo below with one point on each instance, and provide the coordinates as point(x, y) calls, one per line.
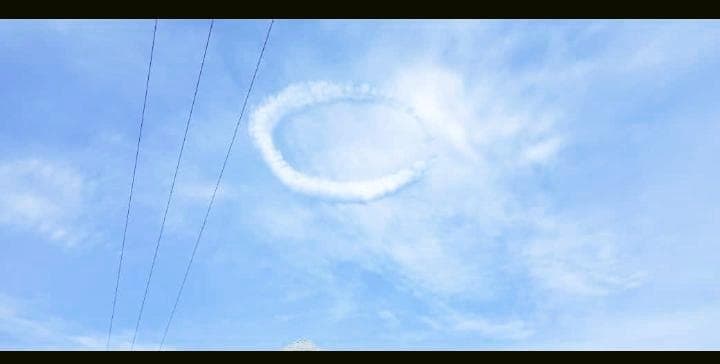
point(222, 170)
point(172, 186)
point(132, 186)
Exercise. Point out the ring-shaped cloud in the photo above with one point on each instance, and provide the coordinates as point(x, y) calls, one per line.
point(301, 95)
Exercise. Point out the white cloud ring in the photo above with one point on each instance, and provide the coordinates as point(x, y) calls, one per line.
point(300, 95)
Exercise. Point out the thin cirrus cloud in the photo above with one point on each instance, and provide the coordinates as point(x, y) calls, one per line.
point(303, 95)
point(42, 196)
point(24, 326)
point(444, 239)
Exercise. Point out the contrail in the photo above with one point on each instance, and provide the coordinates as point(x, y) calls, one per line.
point(297, 96)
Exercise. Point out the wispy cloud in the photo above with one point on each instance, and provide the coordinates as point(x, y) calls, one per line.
point(43, 196)
point(443, 237)
point(493, 329)
point(687, 327)
point(572, 259)
point(50, 332)
point(415, 230)
point(513, 330)
point(26, 326)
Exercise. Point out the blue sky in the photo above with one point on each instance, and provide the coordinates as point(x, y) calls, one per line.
point(395, 184)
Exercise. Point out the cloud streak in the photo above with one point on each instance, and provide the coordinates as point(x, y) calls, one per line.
point(298, 96)
point(465, 237)
point(42, 196)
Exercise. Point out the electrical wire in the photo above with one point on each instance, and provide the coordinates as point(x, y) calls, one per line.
point(172, 187)
point(217, 184)
point(132, 186)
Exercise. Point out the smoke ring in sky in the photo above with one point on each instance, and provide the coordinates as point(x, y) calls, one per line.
point(300, 95)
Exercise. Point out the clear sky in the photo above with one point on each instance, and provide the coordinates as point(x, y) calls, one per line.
point(394, 184)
